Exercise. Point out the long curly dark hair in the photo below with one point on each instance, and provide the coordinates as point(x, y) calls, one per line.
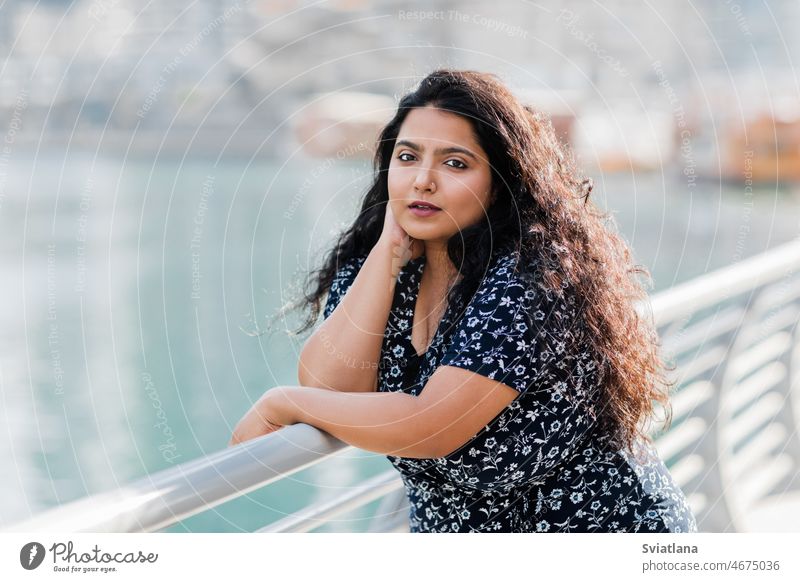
point(542, 210)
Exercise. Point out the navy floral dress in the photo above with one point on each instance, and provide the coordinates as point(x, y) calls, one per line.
point(541, 465)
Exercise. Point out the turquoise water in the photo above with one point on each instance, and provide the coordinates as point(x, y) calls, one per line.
point(126, 285)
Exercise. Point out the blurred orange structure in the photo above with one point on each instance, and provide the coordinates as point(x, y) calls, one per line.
point(766, 149)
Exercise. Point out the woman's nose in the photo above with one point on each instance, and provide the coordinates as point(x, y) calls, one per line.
point(425, 179)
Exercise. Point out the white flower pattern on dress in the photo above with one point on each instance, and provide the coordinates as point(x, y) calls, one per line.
point(541, 465)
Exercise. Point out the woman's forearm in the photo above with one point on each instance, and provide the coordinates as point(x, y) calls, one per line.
point(344, 352)
point(386, 423)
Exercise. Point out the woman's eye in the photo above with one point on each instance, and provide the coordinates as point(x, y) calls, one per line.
point(460, 165)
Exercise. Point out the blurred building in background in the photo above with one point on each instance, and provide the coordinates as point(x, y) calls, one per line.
point(628, 83)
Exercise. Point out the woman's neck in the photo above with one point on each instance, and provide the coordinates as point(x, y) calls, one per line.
point(438, 267)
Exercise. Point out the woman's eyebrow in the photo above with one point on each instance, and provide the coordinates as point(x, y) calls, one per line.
point(440, 151)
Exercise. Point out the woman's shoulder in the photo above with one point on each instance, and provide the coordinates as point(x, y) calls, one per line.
point(517, 279)
point(347, 269)
point(504, 292)
point(509, 273)
point(353, 262)
point(344, 276)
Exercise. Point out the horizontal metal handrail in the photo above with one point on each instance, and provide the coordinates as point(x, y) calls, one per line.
point(313, 516)
point(166, 497)
point(724, 283)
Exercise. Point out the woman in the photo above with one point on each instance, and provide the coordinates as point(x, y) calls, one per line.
point(480, 331)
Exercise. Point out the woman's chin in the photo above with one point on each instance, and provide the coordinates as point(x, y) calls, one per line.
point(422, 236)
point(421, 231)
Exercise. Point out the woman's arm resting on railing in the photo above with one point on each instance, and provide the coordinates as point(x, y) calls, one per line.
point(343, 353)
point(453, 406)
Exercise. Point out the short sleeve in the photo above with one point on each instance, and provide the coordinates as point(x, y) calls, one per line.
point(342, 280)
point(503, 333)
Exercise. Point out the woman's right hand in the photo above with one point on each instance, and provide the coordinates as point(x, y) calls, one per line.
point(404, 247)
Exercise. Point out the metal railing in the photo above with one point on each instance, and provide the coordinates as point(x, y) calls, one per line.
point(734, 337)
point(732, 447)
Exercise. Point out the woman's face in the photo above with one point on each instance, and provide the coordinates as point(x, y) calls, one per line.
point(437, 160)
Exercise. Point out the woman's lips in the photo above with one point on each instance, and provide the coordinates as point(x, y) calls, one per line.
point(421, 208)
point(417, 211)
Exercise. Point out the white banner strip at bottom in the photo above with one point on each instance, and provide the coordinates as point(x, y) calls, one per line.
point(401, 557)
